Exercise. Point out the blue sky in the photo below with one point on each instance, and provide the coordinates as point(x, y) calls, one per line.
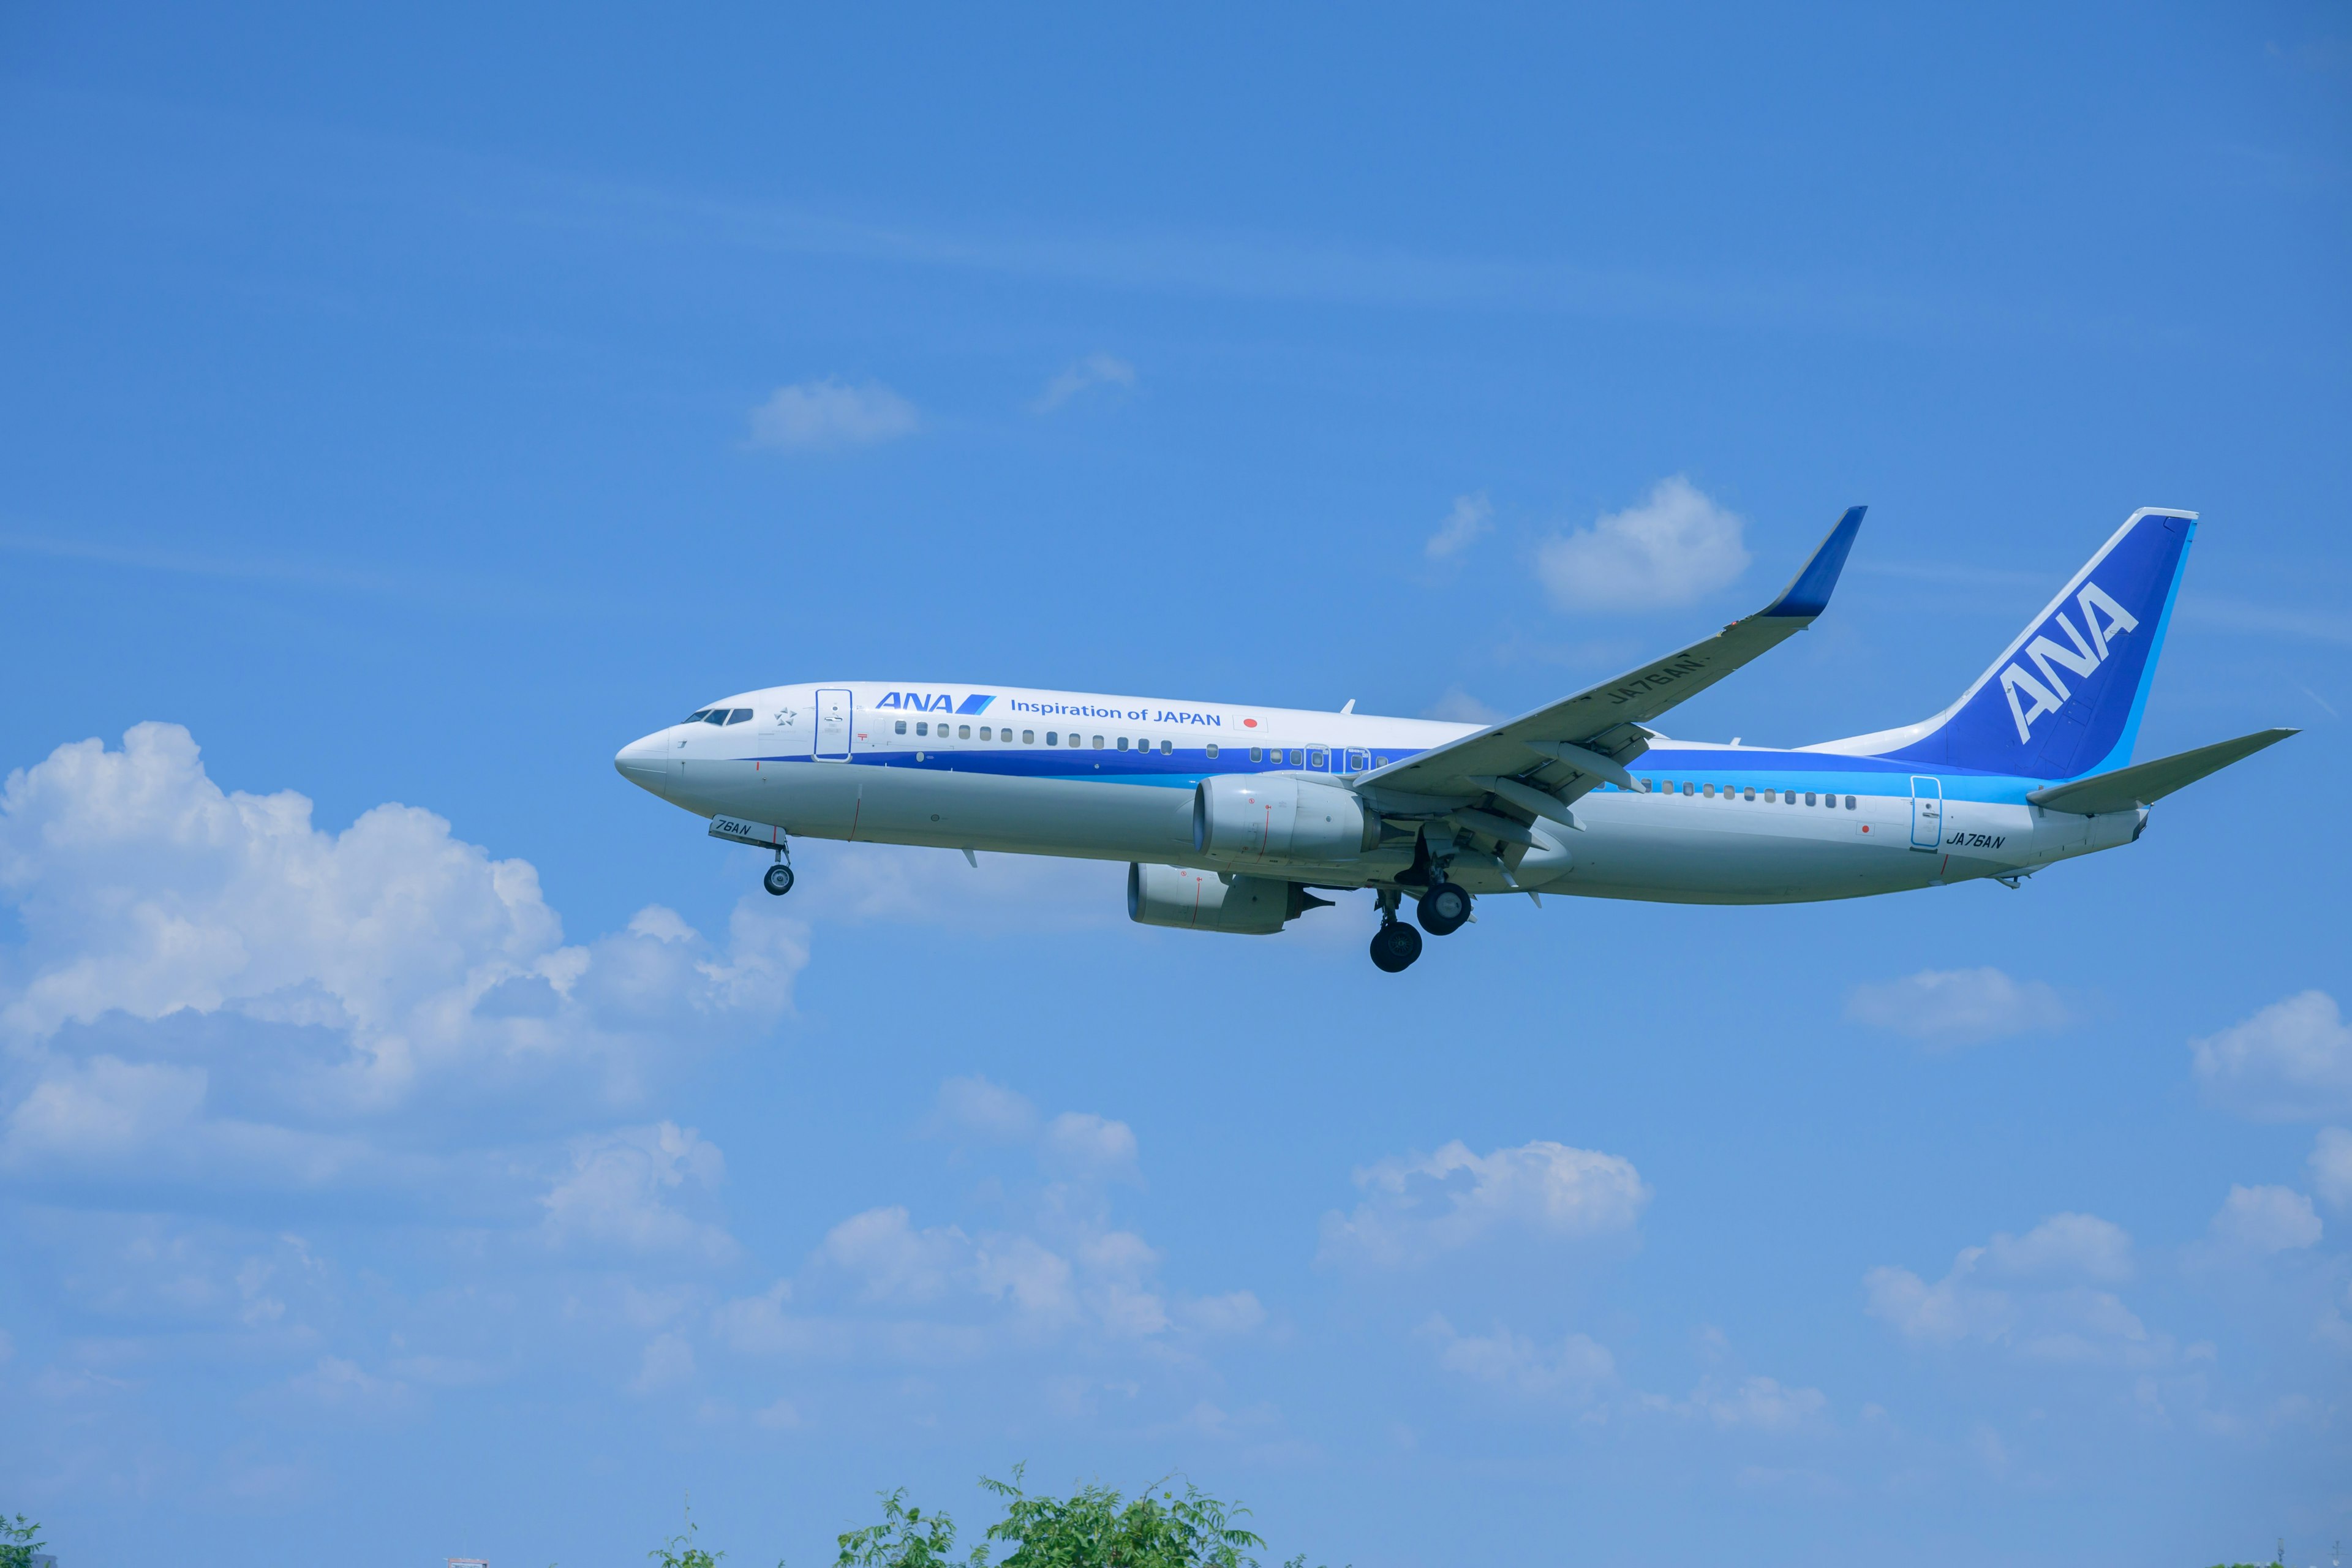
point(417, 1142)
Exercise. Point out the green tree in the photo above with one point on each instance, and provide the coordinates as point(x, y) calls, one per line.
point(18, 1541)
point(1094, 1528)
point(680, 1552)
point(907, 1538)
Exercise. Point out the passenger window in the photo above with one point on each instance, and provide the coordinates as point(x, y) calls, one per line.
point(985, 733)
point(1809, 797)
point(1849, 803)
point(1298, 757)
point(1687, 787)
point(1788, 797)
point(1167, 748)
point(1314, 756)
point(1769, 795)
point(964, 732)
point(1750, 794)
point(1257, 754)
point(1382, 763)
point(1708, 791)
point(921, 728)
point(1648, 784)
point(1029, 737)
point(1053, 737)
point(1122, 743)
point(1357, 762)
point(1098, 743)
point(1213, 750)
point(902, 727)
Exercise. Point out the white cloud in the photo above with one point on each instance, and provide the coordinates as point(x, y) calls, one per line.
point(1574, 1371)
point(619, 1191)
point(2293, 1059)
point(1084, 375)
point(345, 1388)
point(891, 1260)
point(1092, 1145)
point(1676, 546)
point(1458, 706)
point(828, 414)
point(359, 972)
point(1421, 1205)
point(668, 1360)
point(975, 1105)
point(1755, 1405)
point(2035, 1295)
point(1470, 519)
point(2331, 1166)
point(2263, 1220)
point(1957, 1006)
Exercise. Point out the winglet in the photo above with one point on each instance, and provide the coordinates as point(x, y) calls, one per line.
point(1808, 593)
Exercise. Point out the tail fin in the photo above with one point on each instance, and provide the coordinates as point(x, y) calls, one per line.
point(2064, 699)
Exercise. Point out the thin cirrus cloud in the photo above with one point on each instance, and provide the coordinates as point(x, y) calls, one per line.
point(2331, 1166)
point(2288, 1062)
point(1946, 1007)
point(1093, 374)
point(1418, 1206)
point(1676, 547)
point(1472, 519)
point(829, 416)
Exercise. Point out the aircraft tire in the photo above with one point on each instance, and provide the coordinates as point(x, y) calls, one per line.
point(778, 880)
point(1442, 909)
point(1394, 947)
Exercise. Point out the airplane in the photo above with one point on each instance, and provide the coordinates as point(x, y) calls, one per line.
point(1234, 817)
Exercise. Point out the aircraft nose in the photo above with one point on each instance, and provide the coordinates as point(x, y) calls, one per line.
point(642, 760)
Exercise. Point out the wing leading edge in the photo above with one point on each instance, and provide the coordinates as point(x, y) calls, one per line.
point(1569, 747)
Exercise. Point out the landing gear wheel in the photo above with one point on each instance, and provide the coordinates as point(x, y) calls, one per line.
point(1441, 910)
point(778, 880)
point(1394, 947)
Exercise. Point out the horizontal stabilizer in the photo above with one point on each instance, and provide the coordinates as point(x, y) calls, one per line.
point(2144, 783)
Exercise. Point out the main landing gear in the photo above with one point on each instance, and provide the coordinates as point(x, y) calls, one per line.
point(778, 879)
point(1442, 909)
point(1396, 945)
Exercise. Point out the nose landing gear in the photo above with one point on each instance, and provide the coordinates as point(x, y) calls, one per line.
point(778, 879)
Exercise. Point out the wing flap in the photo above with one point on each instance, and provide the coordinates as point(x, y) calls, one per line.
point(2145, 783)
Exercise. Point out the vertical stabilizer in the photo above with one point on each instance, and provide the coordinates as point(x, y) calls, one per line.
point(2064, 699)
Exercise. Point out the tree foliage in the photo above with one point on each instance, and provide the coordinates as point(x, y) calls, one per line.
point(1094, 1527)
point(18, 1541)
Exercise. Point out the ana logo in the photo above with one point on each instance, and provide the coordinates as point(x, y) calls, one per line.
point(937, 701)
point(2049, 692)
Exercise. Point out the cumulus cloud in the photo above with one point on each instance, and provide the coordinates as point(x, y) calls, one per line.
point(1674, 548)
point(2036, 1295)
point(187, 949)
point(1573, 1372)
point(1470, 519)
point(621, 1188)
point(1091, 374)
point(1090, 1144)
point(891, 1260)
point(1458, 706)
point(828, 414)
point(1957, 1006)
point(1421, 1205)
point(2331, 1166)
point(2263, 1220)
point(2293, 1059)
point(975, 1105)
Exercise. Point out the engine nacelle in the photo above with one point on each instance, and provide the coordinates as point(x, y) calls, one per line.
point(1204, 900)
point(1239, 818)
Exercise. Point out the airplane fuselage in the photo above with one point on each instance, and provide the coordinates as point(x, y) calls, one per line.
point(1027, 771)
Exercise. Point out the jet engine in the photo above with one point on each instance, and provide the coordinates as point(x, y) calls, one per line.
point(1241, 818)
point(1204, 900)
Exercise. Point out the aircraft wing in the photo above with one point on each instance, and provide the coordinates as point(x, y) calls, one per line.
point(1569, 747)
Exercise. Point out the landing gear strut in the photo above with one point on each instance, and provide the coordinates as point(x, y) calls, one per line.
point(779, 877)
point(1396, 945)
point(1442, 909)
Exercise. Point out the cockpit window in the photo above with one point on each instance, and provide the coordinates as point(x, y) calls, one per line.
point(737, 715)
point(697, 717)
point(716, 716)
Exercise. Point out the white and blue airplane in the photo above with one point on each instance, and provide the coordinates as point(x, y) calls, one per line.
point(1232, 817)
